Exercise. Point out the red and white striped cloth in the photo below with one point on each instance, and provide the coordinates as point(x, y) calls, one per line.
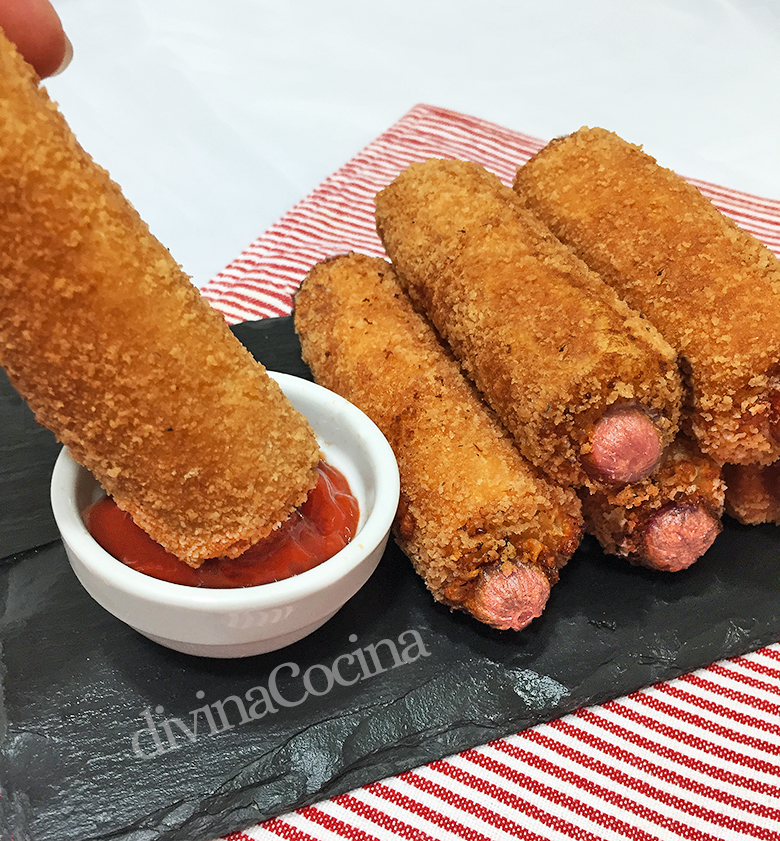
point(693, 758)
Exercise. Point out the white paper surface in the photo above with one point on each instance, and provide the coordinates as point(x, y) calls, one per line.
point(216, 116)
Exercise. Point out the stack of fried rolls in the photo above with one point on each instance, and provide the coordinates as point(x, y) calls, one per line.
point(118, 354)
point(668, 520)
point(588, 388)
point(709, 287)
point(484, 531)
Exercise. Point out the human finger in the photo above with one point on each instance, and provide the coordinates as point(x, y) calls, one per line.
point(36, 29)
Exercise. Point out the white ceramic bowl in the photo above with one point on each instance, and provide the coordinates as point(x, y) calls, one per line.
point(250, 620)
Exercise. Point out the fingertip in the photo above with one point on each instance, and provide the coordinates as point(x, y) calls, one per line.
point(36, 29)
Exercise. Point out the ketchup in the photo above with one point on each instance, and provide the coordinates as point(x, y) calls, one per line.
point(316, 531)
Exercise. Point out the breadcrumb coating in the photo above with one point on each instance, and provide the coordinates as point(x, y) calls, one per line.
point(119, 355)
point(469, 502)
point(753, 492)
point(711, 288)
point(550, 345)
point(686, 481)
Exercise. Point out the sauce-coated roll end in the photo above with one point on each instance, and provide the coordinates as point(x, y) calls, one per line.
point(119, 355)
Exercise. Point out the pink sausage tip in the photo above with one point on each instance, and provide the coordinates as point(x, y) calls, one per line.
point(625, 446)
point(511, 599)
point(679, 535)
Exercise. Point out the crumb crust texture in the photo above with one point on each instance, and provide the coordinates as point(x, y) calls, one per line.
point(550, 345)
point(753, 492)
point(712, 289)
point(471, 507)
point(118, 354)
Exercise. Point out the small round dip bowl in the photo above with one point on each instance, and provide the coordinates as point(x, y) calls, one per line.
point(244, 621)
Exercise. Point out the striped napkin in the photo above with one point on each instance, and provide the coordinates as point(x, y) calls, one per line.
point(694, 758)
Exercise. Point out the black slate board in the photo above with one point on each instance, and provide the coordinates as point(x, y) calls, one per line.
point(78, 686)
point(27, 453)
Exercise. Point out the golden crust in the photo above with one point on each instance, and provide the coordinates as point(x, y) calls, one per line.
point(753, 492)
point(119, 355)
point(710, 288)
point(469, 500)
point(546, 341)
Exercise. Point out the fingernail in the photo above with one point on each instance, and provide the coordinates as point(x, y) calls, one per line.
point(66, 58)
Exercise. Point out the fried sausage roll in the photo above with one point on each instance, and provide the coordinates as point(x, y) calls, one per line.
point(753, 492)
point(588, 388)
point(118, 354)
point(486, 534)
point(667, 521)
point(710, 288)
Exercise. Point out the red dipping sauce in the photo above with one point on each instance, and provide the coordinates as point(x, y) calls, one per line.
point(316, 531)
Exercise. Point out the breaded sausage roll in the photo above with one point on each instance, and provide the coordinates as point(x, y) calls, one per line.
point(753, 492)
point(667, 521)
point(588, 388)
point(710, 288)
point(118, 354)
point(486, 534)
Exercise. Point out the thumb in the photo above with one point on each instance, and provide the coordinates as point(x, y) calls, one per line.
point(35, 27)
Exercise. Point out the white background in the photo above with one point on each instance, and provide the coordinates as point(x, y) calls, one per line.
point(216, 116)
